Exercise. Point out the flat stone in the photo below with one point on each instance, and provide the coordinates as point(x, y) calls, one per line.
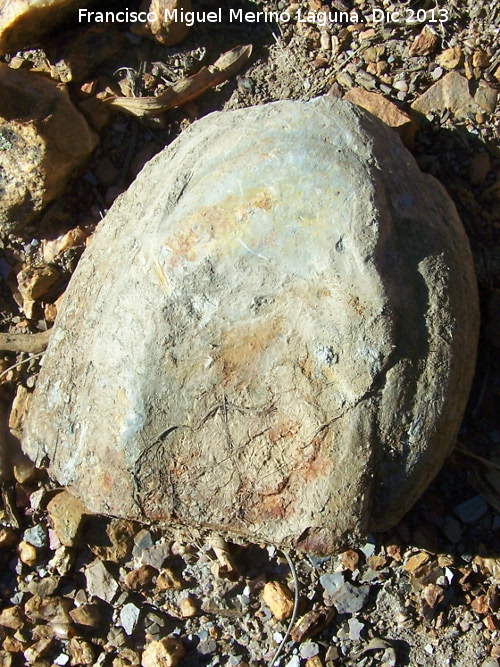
point(387, 111)
point(350, 599)
point(43, 139)
point(100, 581)
point(67, 514)
point(129, 617)
point(452, 93)
point(37, 536)
point(287, 357)
point(332, 582)
point(471, 510)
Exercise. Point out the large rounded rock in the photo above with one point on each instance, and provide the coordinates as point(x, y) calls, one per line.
point(272, 334)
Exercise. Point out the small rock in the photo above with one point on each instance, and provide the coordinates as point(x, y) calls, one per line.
point(350, 559)
point(100, 581)
point(34, 282)
point(332, 654)
point(142, 541)
point(23, 22)
point(355, 629)
point(424, 43)
point(12, 617)
point(433, 595)
point(81, 652)
point(452, 530)
point(450, 58)
point(44, 139)
point(308, 649)
point(27, 553)
point(279, 599)
point(188, 607)
point(86, 614)
point(8, 537)
point(416, 561)
point(129, 617)
point(479, 168)
point(111, 540)
point(53, 249)
point(43, 587)
point(471, 510)
point(140, 578)
point(350, 599)
point(38, 650)
point(368, 549)
point(315, 661)
point(24, 469)
point(377, 562)
point(67, 514)
point(480, 59)
point(164, 30)
point(156, 555)
point(168, 579)
point(452, 93)
point(164, 653)
point(332, 582)
point(54, 609)
point(37, 536)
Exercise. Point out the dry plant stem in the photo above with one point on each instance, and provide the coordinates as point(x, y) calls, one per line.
point(30, 343)
point(22, 361)
point(486, 462)
point(186, 89)
point(275, 657)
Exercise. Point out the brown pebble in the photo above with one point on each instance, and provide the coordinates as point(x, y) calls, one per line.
point(140, 578)
point(8, 537)
point(86, 614)
point(188, 607)
point(279, 599)
point(164, 653)
point(168, 580)
point(12, 617)
point(27, 553)
point(350, 559)
point(479, 167)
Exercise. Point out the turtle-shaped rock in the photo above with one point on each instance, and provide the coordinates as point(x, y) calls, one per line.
point(271, 335)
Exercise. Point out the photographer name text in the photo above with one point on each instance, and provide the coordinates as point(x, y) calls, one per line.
point(320, 18)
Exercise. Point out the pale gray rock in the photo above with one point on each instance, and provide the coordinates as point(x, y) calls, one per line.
point(272, 333)
point(100, 581)
point(350, 599)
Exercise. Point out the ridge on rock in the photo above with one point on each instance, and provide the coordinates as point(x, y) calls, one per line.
point(279, 338)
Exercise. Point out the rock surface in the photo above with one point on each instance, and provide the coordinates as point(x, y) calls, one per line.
point(43, 139)
point(288, 353)
point(23, 22)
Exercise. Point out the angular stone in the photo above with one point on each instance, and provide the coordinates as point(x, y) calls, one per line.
point(129, 616)
point(67, 514)
point(100, 581)
point(163, 29)
point(387, 111)
point(23, 22)
point(43, 139)
point(165, 653)
point(452, 93)
point(279, 599)
point(350, 599)
point(289, 353)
